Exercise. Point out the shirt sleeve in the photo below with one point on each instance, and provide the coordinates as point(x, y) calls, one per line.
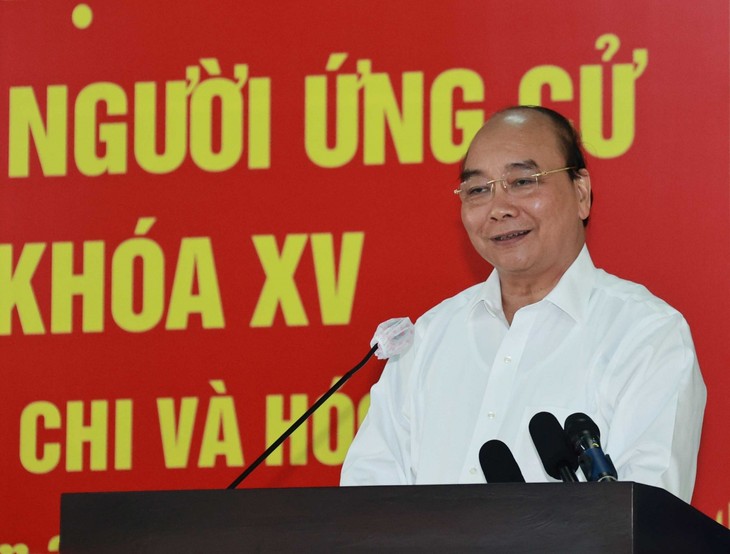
point(380, 453)
point(656, 403)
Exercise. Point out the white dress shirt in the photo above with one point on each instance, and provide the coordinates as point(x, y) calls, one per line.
point(595, 344)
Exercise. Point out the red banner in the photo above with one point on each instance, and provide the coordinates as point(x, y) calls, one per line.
point(206, 210)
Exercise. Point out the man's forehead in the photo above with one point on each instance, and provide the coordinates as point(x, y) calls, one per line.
point(521, 121)
point(519, 132)
point(514, 117)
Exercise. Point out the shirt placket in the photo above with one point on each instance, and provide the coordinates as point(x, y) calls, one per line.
point(498, 392)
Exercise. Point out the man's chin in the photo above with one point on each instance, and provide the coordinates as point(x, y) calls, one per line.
point(509, 262)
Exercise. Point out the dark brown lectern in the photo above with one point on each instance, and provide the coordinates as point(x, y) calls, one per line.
point(542, 517)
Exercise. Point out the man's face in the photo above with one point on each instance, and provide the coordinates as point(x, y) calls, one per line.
point(535, 238)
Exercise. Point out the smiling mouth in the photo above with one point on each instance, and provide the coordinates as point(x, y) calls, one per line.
point(510, 236)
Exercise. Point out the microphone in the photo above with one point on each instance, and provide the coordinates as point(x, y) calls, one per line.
point(498, 464)
point(392, 337)
point(585, 437)
point(553, 447)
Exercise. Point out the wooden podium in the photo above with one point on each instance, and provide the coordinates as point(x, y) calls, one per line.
point(538, 517)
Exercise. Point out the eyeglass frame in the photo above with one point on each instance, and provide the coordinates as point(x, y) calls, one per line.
point(506, 187)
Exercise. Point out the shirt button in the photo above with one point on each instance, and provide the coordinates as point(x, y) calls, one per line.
point(508, 359)
point(491, 415)
point(473, 471)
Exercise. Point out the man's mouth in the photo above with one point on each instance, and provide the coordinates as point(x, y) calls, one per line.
point(509, 236)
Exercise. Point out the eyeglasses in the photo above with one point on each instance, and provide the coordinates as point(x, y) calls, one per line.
point(518, 183)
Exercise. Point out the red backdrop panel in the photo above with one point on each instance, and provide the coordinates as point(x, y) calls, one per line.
point(275, 243)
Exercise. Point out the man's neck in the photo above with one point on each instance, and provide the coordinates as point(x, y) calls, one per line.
point(519, 291)
point(516, 297)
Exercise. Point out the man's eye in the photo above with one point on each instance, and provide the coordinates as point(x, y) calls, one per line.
point(476, 190)
point(524, 182)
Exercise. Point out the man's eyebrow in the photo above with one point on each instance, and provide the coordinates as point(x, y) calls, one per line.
point(467, 173)
point(524, 164)
point(528, 164)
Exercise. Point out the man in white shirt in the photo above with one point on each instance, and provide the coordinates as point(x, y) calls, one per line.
point(547, 331)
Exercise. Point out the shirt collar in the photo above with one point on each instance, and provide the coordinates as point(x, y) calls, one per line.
point(573, 291)
point(570, 295)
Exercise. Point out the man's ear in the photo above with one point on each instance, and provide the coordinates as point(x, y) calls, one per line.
point(583, 193)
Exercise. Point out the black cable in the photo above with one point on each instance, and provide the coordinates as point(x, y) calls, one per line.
point(302, 419)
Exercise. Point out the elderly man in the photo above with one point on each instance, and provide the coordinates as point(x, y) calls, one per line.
point(547, 331)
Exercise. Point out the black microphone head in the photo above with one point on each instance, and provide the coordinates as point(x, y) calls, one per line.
point(498, 464)
point(579, 424)
point(552, 444)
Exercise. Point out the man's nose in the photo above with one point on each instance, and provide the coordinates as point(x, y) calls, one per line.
point(502, 204)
